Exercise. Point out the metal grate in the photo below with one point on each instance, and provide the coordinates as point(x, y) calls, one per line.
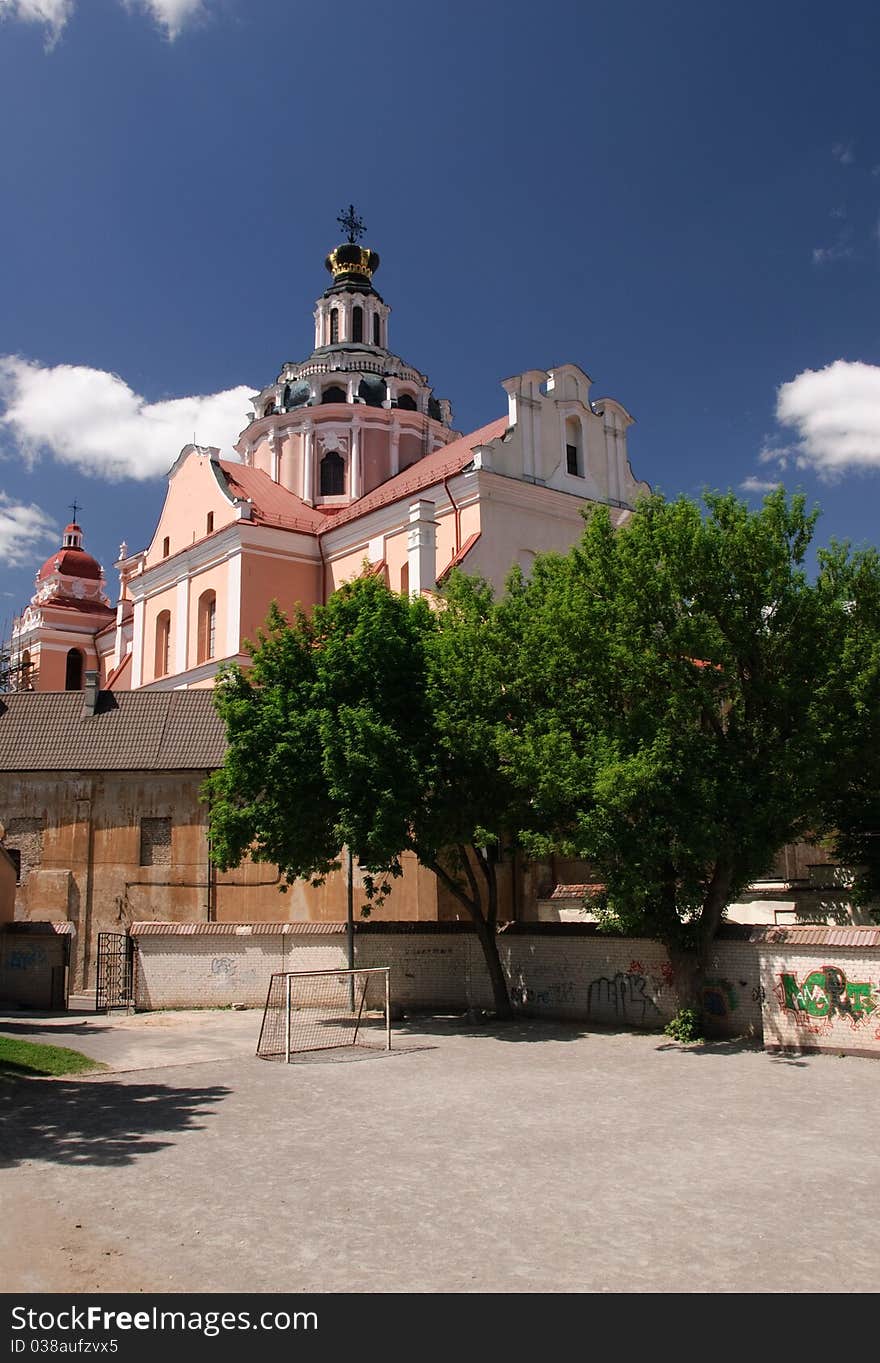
point(115, 976)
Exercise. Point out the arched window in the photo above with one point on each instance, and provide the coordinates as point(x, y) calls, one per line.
point(404, 579)
point(357, 324)
point(332, 475)
point(25, 682)
point(574, 457)
point(207, 626)
point(269, 408)
point(73, 676)
point(377, 329)
point(334, 326)
point(407, 402)
point(333, 394)
point(163, 644)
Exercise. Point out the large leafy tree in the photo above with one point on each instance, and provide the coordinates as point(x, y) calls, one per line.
point(372, 724)
point(684, 698)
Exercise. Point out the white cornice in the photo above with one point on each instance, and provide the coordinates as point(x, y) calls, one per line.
point(180, 681)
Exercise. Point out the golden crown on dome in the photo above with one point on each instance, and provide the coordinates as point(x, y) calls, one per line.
point(350, 258)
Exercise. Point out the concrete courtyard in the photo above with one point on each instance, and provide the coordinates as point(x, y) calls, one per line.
point(472, 1158)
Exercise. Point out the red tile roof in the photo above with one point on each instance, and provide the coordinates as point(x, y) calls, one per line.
point(432, 469)
point(271, 503)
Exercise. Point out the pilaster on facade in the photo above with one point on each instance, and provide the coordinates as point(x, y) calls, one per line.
point(422, 547)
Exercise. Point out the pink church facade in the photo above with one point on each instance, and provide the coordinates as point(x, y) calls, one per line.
point(348, 464)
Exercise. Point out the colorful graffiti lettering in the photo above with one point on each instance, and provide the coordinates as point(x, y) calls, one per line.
point(825, 993)
point(667, 970)
point(635, 968)
point(719, 998)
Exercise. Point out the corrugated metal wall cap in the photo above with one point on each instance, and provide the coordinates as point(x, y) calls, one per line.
point(155, 929)
point(818, 934)
point(39, 929)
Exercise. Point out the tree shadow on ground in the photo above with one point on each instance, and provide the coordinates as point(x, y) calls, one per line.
point(729, 1045)
point(45, 1025)
point(98, 1123)
point(518, 1030)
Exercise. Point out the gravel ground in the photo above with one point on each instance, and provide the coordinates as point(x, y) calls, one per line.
point(472, 1158)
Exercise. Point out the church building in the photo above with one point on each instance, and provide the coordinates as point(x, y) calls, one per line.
point(348, 464)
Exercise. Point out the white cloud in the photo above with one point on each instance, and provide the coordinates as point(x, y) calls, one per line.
point(840, 250)
point(53, 13)
point(94, 421)
point(835, 412)
point(22, 529)
point(753, 484)
point(171, 15)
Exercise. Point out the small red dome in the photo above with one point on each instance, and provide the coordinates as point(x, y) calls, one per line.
point(71, 559)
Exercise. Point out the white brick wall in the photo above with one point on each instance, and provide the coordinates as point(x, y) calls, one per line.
point(619, 981)
point(821, 998)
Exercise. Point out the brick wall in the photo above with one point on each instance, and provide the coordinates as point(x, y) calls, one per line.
point(560, 973)
point(821, 989)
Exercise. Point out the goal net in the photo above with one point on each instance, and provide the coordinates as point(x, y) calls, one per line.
point(318, 1010)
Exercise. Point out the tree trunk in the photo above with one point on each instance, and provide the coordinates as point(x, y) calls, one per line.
point(485, 923)
point(712, 913)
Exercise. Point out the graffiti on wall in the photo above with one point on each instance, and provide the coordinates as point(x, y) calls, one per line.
point(622, 998)
point(720, 999)
point(28, 958)
point(825, 994)
point(553, 996)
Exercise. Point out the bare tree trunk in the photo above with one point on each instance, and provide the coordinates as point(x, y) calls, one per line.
point(485, 923)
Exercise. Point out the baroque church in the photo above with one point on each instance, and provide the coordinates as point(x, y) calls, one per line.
point(348, 464)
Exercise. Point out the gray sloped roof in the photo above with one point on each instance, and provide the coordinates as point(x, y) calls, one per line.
point(129, 731)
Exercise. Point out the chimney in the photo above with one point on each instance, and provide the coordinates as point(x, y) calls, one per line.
point(90, 694)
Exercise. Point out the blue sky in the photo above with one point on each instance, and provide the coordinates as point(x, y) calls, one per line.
point(683, 199)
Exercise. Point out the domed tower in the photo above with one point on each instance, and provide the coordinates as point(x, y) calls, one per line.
point(336, 425)
point(54, 643)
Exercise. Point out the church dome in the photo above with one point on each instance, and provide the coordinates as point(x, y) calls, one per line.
point(71, 560)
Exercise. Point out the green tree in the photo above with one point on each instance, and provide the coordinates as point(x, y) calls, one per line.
point(684, 699)
point(371, 725)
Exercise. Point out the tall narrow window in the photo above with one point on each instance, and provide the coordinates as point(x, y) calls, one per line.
point(334, 326)
point(25, 676)
point(73, 676)
point(377, 329)
point(209, 523)
point(357, 324)
point(163, 644)
point(332, 475)
point(404, 579)
point(166, 547)
point(574, 455)
point(207, 626)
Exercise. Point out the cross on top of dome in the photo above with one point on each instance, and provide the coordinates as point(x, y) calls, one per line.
point(352, 224)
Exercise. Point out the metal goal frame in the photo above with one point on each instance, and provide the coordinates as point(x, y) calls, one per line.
point(356, 1005)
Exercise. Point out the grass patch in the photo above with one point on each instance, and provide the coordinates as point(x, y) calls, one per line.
point(30, 1058)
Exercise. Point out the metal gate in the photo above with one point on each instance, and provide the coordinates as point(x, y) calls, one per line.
point(115, 971)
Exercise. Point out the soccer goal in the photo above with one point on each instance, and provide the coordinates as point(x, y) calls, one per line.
point(318, 1010)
